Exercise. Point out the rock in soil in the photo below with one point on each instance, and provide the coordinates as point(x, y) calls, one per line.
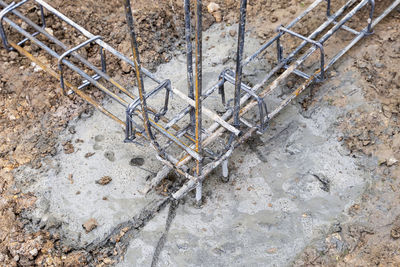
point(395, 232)
point(214, 9)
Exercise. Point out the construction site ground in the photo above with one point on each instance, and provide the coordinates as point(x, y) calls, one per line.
point(320, 187)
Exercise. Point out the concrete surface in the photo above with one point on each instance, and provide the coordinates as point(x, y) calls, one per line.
point(274, 205)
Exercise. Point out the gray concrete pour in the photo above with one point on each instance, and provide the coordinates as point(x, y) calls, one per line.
point(286, 186)
point(60, 199)
point(272, 208)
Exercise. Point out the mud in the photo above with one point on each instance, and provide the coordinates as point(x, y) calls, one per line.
point(361, 111)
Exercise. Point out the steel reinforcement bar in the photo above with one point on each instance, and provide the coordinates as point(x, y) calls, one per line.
point(195, 142)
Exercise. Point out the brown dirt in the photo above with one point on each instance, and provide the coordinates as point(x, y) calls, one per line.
point(368, 236)
point(33, 112)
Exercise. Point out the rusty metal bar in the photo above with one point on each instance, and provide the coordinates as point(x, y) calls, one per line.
point(190, 163)
point(189, 60)
point(198, 92)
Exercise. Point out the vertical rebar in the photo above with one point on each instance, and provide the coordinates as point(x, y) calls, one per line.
point(3, 13)
point(198, 92)
point(371, 16)
point(139, 78)
point(239, 66)
point(328, 8)
point(225, 171)
point(279, 49)
point(189, 60)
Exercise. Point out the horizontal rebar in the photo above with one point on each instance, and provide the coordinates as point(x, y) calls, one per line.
point(190, 185)
point(99, 42)
point(246, 97)
point(213, 128)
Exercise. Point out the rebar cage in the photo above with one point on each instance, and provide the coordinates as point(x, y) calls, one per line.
point(181, 139)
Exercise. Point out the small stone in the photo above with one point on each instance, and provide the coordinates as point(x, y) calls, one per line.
point(232, 32)
point(13, 55)
point(386, 157)
point(125, 67)
point(107, 261)
point(213, 7)
point(104, 180)
point(68, 148)
point(391, 162)
point(90, 225)
point(89, 154)
point(366, 142)
point(34, 252)
point(218, 16)
point(223, 34)
point(36, 68)
point(381, 161)
point(49, 31)
point(340, 138)
point(105, 198)
point(24, 25)
point(78, 193)
point(395, 232)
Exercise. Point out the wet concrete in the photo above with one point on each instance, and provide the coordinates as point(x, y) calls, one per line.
point(284, 191)
point(286, 186)
point(74, 202)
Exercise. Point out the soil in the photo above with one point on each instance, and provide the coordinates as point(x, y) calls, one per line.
point(33, 112)
point(367, 235)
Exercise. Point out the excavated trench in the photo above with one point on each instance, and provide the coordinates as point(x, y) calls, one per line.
point(287, 186)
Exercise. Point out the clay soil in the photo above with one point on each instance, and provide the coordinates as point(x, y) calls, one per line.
point(33, 112)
